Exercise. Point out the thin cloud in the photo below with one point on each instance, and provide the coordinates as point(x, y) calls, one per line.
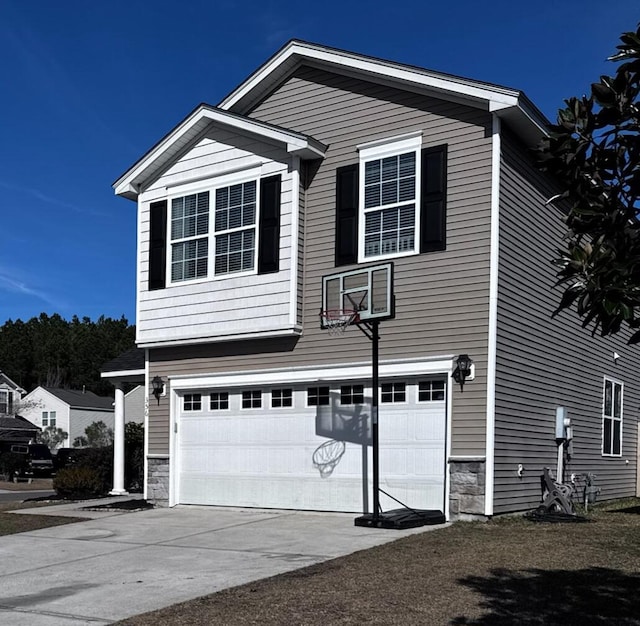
point(38, 195)
point(11, 285)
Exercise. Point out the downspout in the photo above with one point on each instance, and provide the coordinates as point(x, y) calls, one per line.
point(493, 316)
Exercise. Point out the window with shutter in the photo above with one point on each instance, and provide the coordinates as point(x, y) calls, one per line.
point(394, 203)
point(216, 232)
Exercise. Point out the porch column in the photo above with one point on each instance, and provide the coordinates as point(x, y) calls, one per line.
point(118, 444)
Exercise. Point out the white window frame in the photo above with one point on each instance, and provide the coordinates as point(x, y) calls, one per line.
point(219, 393)
point(245, 175)
point(373, 151)
point(352, 392)
point(255, 394)
point(394, 392)
point(5, 402)
point(184, 402)
point(281, 397)
point(317, 395)
point(52, 418)
point(431, 390)
point(612, 417)
point(45, 418)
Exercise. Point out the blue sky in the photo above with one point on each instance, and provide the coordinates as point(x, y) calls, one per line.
point(87, 87)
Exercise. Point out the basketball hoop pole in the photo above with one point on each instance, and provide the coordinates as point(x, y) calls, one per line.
point(375, 337)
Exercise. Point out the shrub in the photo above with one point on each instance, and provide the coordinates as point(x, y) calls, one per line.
point(133, 456)
point(100, 460)
point(78, 482)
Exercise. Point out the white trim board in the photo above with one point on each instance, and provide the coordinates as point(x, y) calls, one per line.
point(342, 371)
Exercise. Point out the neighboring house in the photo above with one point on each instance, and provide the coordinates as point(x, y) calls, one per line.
point(10, 395)
point(69, 409)
point(134, 405)
point(324, 161)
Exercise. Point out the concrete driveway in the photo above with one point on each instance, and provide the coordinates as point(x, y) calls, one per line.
point(122, 564)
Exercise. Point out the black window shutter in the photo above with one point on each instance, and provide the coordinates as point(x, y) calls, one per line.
point(269, 245)
point(158, 245)
point(433, 210)
point(347, 214)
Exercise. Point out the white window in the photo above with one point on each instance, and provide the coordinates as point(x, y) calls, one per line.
point(393, 393)
point(612, 418)
point(192, 402)
point(389, 197)
point(45, 418)
point(235, 226)
point(219, 401)
point(351, 394)
point(252, 399)
point(189, 244)
point(431, 390)
point(4, 402)
point(281, 398)
point(52, 418)
point(318, 396)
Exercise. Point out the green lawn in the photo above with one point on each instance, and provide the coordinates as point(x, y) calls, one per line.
point(11, 523)
point(505, 572)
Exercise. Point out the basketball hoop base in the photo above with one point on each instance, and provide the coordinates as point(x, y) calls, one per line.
point(399, 519)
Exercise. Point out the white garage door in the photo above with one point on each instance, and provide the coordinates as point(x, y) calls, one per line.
point(308, 446)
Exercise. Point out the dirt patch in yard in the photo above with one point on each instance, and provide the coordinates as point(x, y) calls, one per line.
point(504, 572)
point(10, 523)
point(36, 484)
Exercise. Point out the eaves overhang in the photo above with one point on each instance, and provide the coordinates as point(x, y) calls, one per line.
point(509, 104)
point(172, 145)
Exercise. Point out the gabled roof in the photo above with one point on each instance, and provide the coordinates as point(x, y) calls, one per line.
point(508, 103)
point(81, 399)
point(187, 131)
point(18, 423)
point(4, 378)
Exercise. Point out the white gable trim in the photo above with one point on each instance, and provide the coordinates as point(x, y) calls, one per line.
point(130, 183)
point(494, 98)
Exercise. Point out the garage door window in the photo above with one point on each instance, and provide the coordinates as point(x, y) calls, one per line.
point(393, 392)
point(318, 396)
point(281, 398)
point(351, 394)
point(192, 402)
point(219, 401)
point(252, 399)
point(431, 391)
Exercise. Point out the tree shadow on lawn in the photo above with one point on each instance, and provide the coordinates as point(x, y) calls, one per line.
point(594, 596)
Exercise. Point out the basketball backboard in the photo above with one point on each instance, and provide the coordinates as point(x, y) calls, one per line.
point(367, 290)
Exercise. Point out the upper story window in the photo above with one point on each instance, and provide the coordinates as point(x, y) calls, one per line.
point(189, 243)
point(235, 227)
point(389, 198)
point(5, 402)
point(228, 226)
point(612, 418)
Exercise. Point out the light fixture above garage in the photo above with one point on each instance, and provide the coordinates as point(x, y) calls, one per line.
point(158, 387)
point(463, 369)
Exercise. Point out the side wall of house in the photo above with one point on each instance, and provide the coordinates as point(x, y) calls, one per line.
point(38, 401)
point(544, 362)
point(441, 297)
point(81, 418)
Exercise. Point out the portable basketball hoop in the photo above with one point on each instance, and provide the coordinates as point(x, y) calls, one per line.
point(335, 321)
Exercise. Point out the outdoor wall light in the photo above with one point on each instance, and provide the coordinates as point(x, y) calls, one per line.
point(463, 369)
point(158, 387)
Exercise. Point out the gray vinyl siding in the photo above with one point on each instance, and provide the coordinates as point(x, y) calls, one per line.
point(545, 362)
point(442, 298)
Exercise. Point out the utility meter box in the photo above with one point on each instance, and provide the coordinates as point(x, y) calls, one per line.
point(563, 422)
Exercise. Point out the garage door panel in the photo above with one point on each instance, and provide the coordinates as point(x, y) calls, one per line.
point(265, 457)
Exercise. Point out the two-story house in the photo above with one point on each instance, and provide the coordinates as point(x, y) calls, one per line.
point(324, 161)
point(13, 427)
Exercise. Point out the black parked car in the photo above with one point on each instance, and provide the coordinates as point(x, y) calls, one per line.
point(36, 459)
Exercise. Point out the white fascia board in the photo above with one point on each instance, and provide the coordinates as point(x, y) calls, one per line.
point(122, 373)
point(295, 143)
point(342, 371)
point(265, 334)
point(370, 66)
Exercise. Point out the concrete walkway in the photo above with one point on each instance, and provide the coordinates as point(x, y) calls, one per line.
point(116, 565)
